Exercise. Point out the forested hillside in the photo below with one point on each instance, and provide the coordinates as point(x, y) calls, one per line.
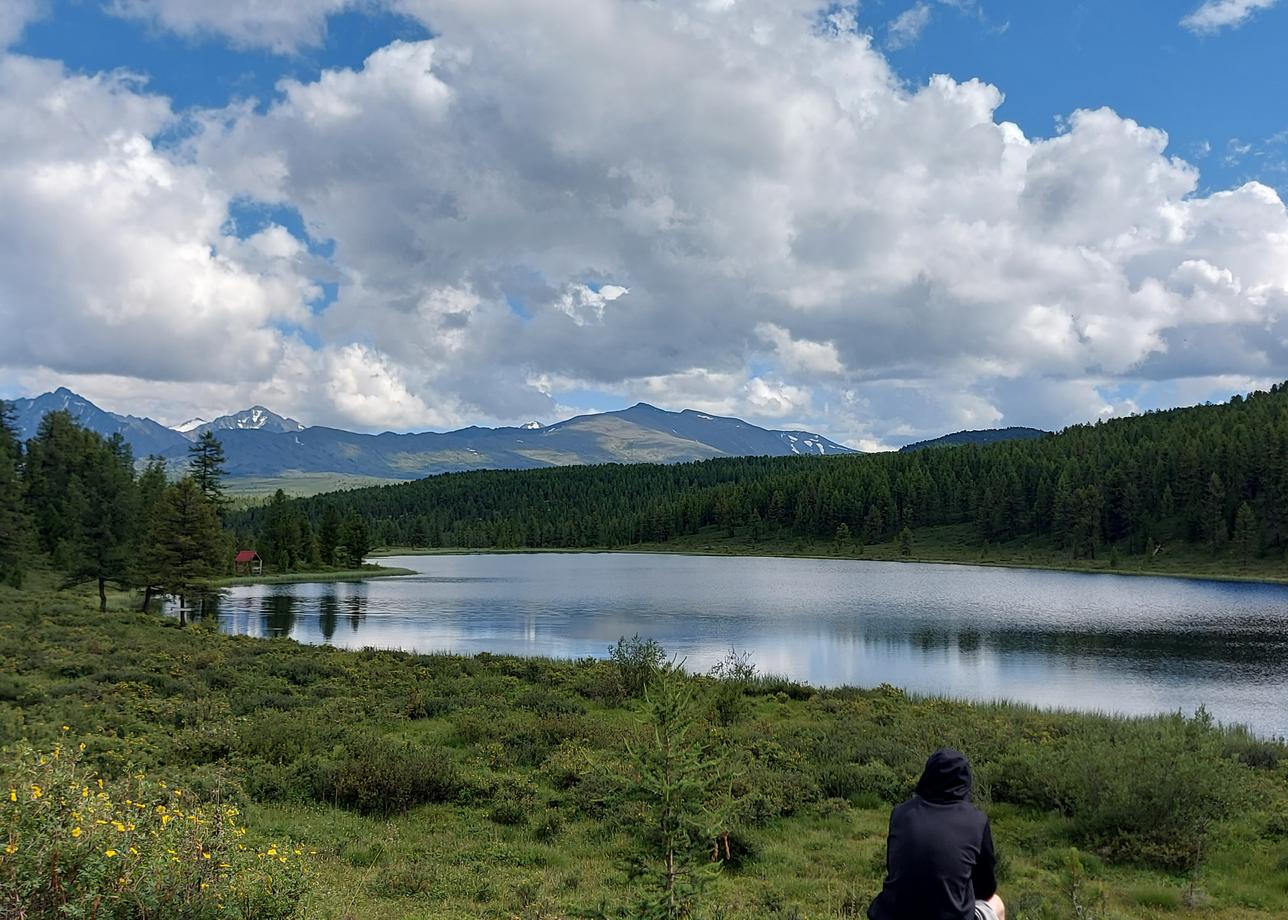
point(1213, 475)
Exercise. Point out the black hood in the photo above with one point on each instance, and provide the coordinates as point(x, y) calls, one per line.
point(946, 778)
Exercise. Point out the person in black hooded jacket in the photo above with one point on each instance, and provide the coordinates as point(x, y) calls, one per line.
point(940, 863)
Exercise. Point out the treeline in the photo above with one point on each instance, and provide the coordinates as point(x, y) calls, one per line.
point(75, 498)
point(1215, 475)
point(287, 538)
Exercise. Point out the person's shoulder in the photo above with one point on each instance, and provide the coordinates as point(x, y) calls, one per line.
point(904, 806)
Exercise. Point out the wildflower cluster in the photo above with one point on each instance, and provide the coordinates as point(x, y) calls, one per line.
point(73, 844)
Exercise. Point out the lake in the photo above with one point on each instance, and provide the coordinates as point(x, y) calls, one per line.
point(1094, 642)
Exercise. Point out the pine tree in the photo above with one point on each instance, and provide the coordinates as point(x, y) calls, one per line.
point(206, 467)
point(873, 526)
point(843, 540)
point(329, 534)
point(278, 535)
point(15, 522)
point(102, 519)
point(1246, 533)
point(184, 541)
point(60, 452)
point(905, 542)
point(1214, 513)
point(681, 798)
point(356, 539)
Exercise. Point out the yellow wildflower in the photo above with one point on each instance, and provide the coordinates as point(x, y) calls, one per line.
point(76, 831)
point(109, 853)
point(11, 849)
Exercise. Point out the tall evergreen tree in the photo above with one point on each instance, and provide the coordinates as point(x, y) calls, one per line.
point(1247, 533)
point(356, 539)
point(329, 534)
point(15, 522)
point(1214, 513)
point(206, 467)
point(102, 519)
point(61, 452)
point(184, 541)
point(678, 787)
point(278, 535)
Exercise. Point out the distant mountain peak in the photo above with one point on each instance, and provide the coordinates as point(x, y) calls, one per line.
point(256, 418)
point(259, 442)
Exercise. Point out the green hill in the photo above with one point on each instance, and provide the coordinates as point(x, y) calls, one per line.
point(1202, 482)
point(984, 436)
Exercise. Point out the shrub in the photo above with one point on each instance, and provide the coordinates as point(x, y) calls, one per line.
point(1152, 793)
point(77, 845)
point(857, 782)
point(512, 802)
point(638, 661)
point(378, 776)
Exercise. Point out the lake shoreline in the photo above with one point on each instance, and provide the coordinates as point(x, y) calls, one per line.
point(320, 577)
point(384, 553)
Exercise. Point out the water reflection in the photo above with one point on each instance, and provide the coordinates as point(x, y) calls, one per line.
point(1092, 642)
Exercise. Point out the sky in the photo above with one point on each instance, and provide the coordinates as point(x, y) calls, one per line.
point(880, 221)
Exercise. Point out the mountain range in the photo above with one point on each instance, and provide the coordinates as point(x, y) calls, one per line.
point(260, 443)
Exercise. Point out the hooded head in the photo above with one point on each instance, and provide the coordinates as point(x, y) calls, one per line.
point(946, 778)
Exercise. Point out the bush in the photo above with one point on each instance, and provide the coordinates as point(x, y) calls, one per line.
point(382, 777)
point(638, 661)
point(1144, 791)
point(856, 782)
point(512, 802)
point(79, 846)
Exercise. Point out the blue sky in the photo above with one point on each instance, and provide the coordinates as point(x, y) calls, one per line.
point(431, 213)
point(1213, 93)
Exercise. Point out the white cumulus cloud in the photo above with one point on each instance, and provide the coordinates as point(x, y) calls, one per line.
point(279, 25)
point(803, 237)
point(1215, 15)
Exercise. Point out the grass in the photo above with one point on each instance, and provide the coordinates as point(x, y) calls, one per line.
point(953, 545)
point(252, 490)
point(263, 722)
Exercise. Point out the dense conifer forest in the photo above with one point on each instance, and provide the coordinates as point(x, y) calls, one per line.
point(1212, 476)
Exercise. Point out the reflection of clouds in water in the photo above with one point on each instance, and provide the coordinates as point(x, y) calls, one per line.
point(1055, 639)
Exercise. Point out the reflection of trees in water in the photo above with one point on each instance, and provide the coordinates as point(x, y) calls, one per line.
point(356, 604)
point(195, 607)
point(329, 614)
point(279, 613)
point(1129, 648)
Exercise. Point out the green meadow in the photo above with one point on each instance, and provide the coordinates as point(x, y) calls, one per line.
point(419, 786)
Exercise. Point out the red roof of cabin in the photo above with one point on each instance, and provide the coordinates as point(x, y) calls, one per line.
point(247, 555)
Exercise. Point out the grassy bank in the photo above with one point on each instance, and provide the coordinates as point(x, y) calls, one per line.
point(495, 787)
point(953, 545)
point(317, 575)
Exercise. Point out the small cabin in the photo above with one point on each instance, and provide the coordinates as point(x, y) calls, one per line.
point(248, 562)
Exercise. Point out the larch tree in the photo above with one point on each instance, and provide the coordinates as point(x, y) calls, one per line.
point(1247, 533)
point(101, 506)
point(206, 462)
point(184, 541)
point(15, 522)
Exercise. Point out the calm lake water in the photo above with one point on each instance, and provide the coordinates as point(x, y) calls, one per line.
point(1104, 642)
